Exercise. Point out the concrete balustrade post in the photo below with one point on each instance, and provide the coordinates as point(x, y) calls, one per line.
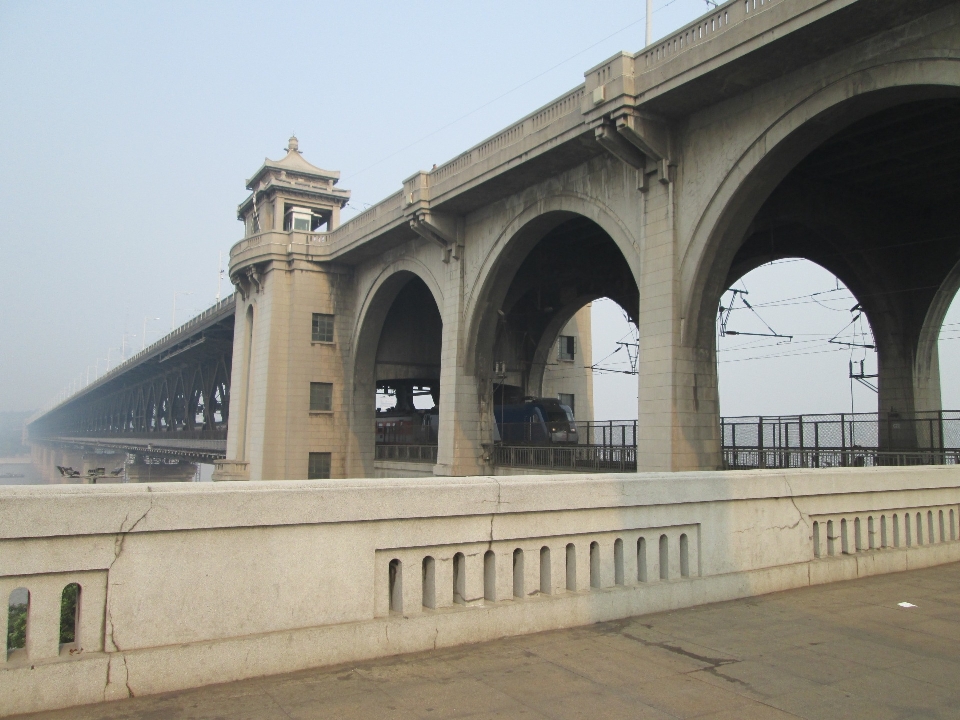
point(412, 590)
point(504, 573)
point(630, 560)
point(583, 564)
point(443, 572)
point(473, 577)
point(43, 619)
point(531, 571)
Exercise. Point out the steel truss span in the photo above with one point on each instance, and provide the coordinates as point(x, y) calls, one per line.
point(174, 398)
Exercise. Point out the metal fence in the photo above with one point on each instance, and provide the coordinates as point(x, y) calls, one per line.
point(609, 446)
point(407, 453)
point(608, 433)
point(841, 440)
point(582, 458)
point(795, 441)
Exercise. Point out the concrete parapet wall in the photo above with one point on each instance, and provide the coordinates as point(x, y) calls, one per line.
point(185, 585)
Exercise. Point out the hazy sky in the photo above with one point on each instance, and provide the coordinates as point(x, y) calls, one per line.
point(127, 131)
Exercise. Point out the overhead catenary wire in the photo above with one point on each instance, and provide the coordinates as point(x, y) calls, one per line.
point(502, 95)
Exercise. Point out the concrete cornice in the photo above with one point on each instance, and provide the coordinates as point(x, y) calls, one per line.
point(731, 43)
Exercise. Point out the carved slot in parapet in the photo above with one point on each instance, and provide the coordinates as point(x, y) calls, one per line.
point(857, 532)
point(465, 575)
point(54, 615)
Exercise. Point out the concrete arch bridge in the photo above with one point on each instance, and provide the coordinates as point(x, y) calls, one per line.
point(820, 129)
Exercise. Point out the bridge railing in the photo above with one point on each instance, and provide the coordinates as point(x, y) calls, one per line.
point(720, 19)
point(795, 441)
point(406, 453)
point(132, 361)
point(841, 439)
point(579, 458)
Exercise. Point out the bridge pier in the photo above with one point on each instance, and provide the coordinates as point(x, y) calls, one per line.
point(460, 444)
point(678, 410)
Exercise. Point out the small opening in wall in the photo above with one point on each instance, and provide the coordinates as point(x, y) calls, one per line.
point(594, 564)
point(931, 537)
point(943, 528)
point(70, 614)
point(396, 586)
point(642, 559)
point(518, 573)
point(489, 576)
point(856, 535)
point(816, 539)
point(545, 574)
point(684, 556)
point(953, 525)
point(571, 567)
point(896, 530)
point(844, 537)
point(664, 558)
point(429, 582)
point(883, 532)
point(831, 539)
point(907, 532)
point(18, 614)
point(919, 529)
point(459, 579)
point(618, 562)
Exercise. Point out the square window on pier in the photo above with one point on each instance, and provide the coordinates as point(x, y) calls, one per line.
point(321, 397)
point(568, 400)
point(566, 347)
point(319, 466)
point(322, 328)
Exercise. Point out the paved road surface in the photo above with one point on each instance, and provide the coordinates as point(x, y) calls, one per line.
point(840, 651)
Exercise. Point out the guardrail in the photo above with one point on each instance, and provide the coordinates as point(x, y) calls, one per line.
point(841, 440)
point(581, 458)
point(407, 453)
point(752, 459)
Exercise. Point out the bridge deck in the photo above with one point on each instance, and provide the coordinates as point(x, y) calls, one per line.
point(841, 650)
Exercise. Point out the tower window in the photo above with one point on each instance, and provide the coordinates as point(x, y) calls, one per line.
point(321, 397)
point(301, 219)
point(566, 347)
point(318, 467)
point(322, 328)
point(568, 400)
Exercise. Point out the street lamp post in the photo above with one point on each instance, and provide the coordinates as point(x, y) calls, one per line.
point(649, 18)
point(173, 319)
point(144, 335)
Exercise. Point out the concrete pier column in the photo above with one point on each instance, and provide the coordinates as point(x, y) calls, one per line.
point(678, 408)
point(908, 383)
point(459, 450)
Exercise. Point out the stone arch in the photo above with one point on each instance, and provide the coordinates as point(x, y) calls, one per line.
point(374, 308)
point(721, 227)
point(549, 338)
point(927, 370)
point(512, 245)
point(386, 281)
point(775, 152)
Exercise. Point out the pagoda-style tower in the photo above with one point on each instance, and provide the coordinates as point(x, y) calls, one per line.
point(287, 400)
point(291, 194)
